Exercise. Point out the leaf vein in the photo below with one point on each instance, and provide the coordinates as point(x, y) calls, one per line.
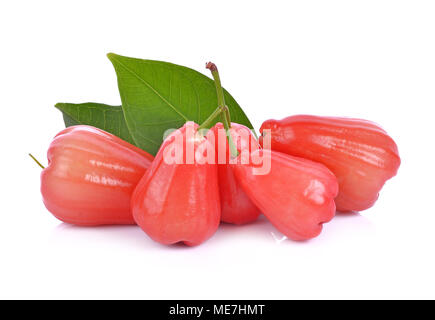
point(151, 88)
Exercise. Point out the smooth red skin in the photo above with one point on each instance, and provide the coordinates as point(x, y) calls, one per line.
point(297, 195)
point(236, 207)
point(359, 152)
point(178, 202)
point(90, 177)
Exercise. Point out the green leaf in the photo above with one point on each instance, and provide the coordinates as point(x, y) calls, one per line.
point(157, 96)
point(103, 116)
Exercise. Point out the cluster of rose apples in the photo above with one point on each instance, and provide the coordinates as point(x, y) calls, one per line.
point(313, 167)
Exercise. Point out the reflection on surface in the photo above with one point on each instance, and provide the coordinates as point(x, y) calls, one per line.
point(344, 227)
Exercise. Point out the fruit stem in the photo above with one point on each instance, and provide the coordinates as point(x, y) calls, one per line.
point(226, 119)
point(220, 92)
point(210, 119)
point(37, 162)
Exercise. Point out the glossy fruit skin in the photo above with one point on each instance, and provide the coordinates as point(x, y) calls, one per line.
point(358, 152)
point(236, 207)
point(90, 177)
point(297, 195)
point(179, 202)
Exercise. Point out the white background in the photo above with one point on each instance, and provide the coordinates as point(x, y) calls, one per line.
point(368, 59)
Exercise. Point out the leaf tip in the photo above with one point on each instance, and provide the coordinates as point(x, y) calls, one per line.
point(111, 55)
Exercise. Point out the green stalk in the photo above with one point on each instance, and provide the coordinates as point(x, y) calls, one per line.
point(226, 120)
point(217, 80)
point(210, 119)
point(37, 162)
